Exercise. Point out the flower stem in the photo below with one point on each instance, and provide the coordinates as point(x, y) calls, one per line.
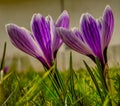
point(107, 81)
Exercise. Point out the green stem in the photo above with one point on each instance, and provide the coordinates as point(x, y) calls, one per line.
point(3, 57)
point(94, 80)
point(107, 81)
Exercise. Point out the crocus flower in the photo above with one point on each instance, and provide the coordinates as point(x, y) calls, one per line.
point(42, 42)
point(93, 36)
point(6, 69)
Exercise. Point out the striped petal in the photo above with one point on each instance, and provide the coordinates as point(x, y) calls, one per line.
point(78, 34)
point(91, 34)
point(62, 21)
point(22, 39)
point(107, 26)
point(41, 32)
point(71, 40)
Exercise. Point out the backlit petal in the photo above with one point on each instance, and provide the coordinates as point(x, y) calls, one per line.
point(108, 26)
point(63, 20)
point(91, 34)
point(78, 34)
point(22, 39)
point(71, 40)
point(41, 32)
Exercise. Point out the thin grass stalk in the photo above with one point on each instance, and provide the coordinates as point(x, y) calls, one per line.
point(101, 76)
point(107, 82)
point(95, 81)
point(3, 57)
point(72, 84)
point(57, 83)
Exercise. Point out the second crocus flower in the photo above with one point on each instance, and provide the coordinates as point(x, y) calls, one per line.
point(42, 42)
point(93, 36)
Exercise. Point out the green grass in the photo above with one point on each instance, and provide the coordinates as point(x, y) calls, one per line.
point(27, 87)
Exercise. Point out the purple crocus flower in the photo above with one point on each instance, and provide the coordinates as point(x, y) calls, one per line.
point(93, 36)
point(43, 41)
point(5, 70)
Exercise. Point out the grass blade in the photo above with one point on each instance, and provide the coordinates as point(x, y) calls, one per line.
point(72, 90)
point(30, 94)
point(3, 57)
point(94, 80)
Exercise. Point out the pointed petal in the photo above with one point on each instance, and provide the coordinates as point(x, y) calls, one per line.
point(71, 40)
point(41, 32)
point(23, 40)
point(108, 26)
point(63, 20)
point(91, 34)
point(56, 42)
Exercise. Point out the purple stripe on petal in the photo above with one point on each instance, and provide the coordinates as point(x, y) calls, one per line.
point(49, 20)
point(57, 42)
point(99, 23)
point(54, 41)
point(78, 34)
point(51, 25)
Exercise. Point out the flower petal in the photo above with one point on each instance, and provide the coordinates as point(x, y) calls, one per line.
point(63, 20)
point(41, 32)
point(108, 26)
point(71, 40)
point(91, 34)
point(78, 34)
point(56, 40)
point(99, 22)
point(22, 39)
